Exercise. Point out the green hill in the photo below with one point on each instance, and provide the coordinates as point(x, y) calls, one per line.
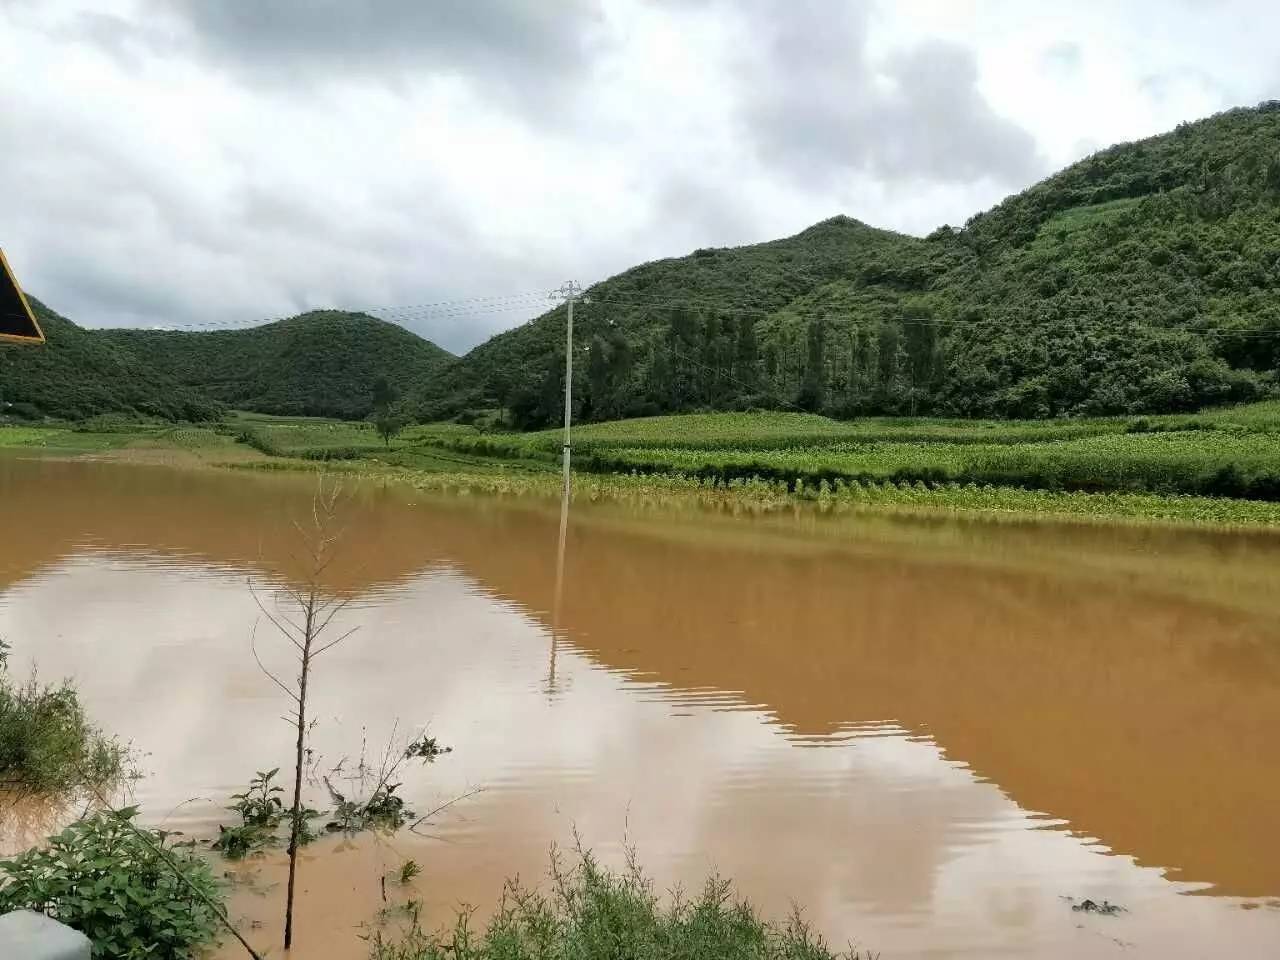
point(1145, 278)
point(78, 374)
point(323, 363)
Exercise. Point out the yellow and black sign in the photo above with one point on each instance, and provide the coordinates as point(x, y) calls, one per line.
point(17, 322)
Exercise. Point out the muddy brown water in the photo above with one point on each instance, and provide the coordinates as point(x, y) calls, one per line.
point(926, 733)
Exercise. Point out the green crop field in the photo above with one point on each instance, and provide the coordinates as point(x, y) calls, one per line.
point(1218, 466)
point(1232, 452)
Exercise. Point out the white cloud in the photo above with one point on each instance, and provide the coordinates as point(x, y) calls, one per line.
point(172, 164)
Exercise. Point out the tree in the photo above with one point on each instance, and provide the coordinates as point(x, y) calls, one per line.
point(598, 378)
point(813, 388)
point(658, 378)
point(383, 394)
point(304, 627)
point(746, 361)
point(682, 341)
point(709, 359)
point(388, 426)
point(620, 362)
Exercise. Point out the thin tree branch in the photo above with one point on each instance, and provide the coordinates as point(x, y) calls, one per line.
point(253, 648)
point(333, 643)
point(444, 806)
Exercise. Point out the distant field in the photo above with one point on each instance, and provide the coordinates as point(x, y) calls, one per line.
point(1216, 466)
point(776, 431)
point(1233, 452)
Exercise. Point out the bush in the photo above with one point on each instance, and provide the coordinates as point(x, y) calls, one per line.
point(47, 745)
point(119, 886)
point(592, 914)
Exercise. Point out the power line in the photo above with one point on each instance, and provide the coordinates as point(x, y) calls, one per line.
point(525, 301)
point(837, 314)
point(461, 307)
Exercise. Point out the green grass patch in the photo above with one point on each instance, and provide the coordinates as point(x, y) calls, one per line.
point(26, 436)
point(590, 913)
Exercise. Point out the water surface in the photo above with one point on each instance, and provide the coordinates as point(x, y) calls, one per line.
point(928, 733)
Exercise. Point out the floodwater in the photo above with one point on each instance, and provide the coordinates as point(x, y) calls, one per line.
point(928, 734)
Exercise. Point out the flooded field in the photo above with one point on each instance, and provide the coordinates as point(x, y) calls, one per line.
point(929, 734)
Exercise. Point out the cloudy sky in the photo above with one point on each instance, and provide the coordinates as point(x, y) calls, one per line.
point(215, 162)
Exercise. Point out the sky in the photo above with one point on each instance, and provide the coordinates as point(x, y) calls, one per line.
point(214, 163)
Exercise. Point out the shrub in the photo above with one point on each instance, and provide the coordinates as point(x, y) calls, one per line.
point(132, 892)
point(593, 914)
point(47, 745)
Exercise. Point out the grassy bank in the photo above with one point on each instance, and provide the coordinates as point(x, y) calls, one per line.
point(1219, 467)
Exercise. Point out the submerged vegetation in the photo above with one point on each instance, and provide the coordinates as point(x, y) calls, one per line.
point(591, 913)
point(48, 747)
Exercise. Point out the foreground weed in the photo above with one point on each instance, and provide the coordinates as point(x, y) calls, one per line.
point(591, 913)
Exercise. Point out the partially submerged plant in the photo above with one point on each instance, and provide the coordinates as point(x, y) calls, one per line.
point(426, 749)
point(591, 913)
point(48, 747)
point(384, 811)
point(261, 815)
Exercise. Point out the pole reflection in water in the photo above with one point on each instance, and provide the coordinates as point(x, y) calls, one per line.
point(559, 593)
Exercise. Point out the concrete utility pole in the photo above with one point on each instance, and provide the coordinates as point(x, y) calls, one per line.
point(569, 292)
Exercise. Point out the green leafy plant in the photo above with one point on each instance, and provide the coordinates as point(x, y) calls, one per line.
point(384, 811)
point(134, 893)
point(262, 813)
point(409, 870)
point(426, 749)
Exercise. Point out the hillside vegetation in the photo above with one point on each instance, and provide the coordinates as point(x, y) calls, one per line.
point(1145, 278)
point(323, 363)
point(79, 374)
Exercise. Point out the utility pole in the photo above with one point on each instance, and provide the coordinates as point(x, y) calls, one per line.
point(569, 292)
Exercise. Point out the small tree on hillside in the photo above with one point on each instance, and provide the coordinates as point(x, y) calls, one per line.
point(388, 427)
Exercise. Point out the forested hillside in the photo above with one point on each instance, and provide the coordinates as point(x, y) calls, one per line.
point(323, 363)
point(1144, 278)
point(78, 374)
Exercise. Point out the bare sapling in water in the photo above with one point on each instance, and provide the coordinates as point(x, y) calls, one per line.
point(305, 626)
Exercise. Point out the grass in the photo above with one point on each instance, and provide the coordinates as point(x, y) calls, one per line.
point(591, 913)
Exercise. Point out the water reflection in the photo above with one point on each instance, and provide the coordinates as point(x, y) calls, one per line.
point(965, 691)
point(559, 593)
